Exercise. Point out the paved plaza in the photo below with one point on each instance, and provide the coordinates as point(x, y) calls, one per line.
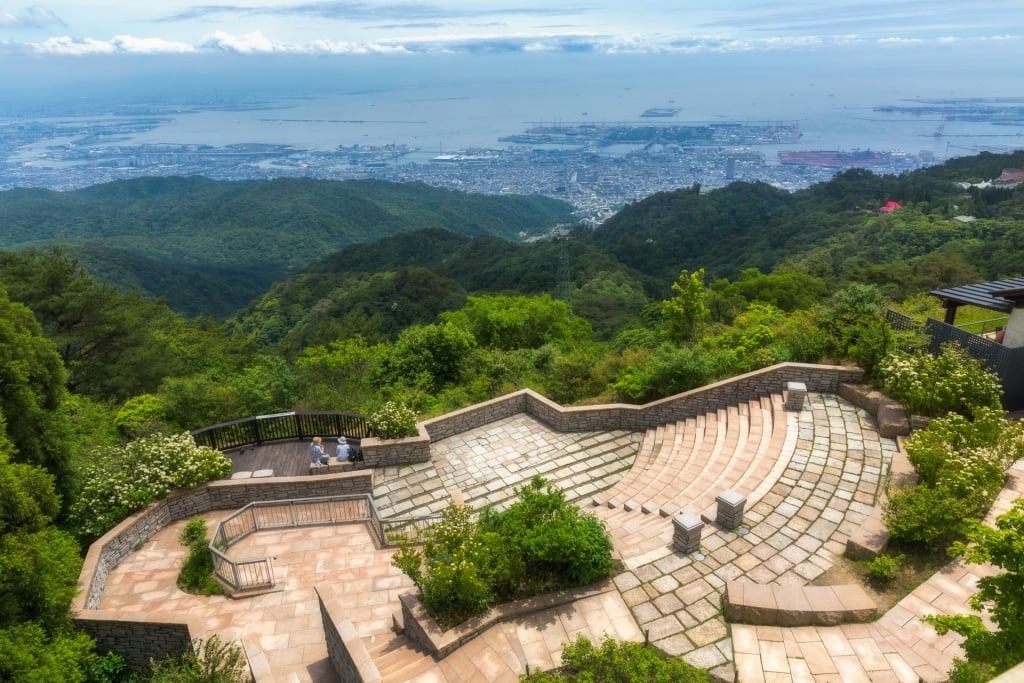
point(809, 496)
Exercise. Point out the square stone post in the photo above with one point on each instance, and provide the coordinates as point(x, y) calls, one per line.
point(794, 396)
point(686, 530)
point(730, 509)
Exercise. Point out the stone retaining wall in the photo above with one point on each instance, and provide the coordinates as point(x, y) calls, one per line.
point(345, 649)
point(137, 640)
point(421, 628)
point(107, 552)
point(771, 605)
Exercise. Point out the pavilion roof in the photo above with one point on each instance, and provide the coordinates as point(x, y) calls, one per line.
point(990, 295)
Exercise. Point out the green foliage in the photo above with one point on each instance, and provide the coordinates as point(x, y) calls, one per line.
point(962, 465)
point(393, 421)
point(38, 577)
point(518, 322)
point(339, 376)
point(667, 370)
point(1001, 595)
point(31, 390)
point(28, 497)
point(926, 516)
point(30, 655)
point(427, 357)
point(967, 453)
point(687, 309)
point(196, 576)
point(453, 568)
point(550, 539)
point(953, 381)
point(141, 415)
point(210, 661)
point(121, 480)
point(883, 568)
point(618, 662)
point(539, 544)
point(212, 246)
point(856, 327)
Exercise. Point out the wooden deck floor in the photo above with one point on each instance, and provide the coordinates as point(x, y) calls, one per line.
point(286, 458)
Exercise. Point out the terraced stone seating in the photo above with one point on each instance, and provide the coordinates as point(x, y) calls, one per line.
point(771, 605)
point(684, 465)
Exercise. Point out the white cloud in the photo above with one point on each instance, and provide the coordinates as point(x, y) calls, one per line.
point(152, 46)
point(246, 43)
point(31, 17)
point(66, 45)
point(898, 40)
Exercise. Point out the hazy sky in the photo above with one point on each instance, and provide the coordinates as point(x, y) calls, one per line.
point(131, 27)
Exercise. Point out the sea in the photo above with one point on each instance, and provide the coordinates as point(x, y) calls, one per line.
point(448, 103)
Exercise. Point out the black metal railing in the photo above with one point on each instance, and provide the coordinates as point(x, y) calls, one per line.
point(1007, 362)
point(258, 572)
point(251, 431)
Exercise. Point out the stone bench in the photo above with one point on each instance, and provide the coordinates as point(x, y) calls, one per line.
point(770, 605)
point(333, 467)
point(870, 538)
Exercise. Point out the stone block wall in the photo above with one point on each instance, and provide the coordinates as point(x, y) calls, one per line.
point(476, 415)
point(345, 649)
point(752, 385)
point(120, 541)
point(385, 452)
point(137, 640)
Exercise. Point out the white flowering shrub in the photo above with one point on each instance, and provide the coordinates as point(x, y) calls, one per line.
point(393, 421)
point(122, 480)
point(953, 381)
point(962, 466)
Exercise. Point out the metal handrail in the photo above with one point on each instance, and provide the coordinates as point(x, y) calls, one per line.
point(258, 572)
point(259, 429)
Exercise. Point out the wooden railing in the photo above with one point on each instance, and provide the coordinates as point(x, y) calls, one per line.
point(252, 431)
point(258, 572)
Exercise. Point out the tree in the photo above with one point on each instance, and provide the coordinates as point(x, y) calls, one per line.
point(688, 308)
point(31, 390)
point(1001, 595)
point(518, 322)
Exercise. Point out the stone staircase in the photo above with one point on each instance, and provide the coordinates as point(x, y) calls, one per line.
point(684, 465)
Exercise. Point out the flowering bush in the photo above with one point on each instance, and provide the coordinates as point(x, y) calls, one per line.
point(953, 381)
point(962, 466)
point(393, 421)
point(124, 479)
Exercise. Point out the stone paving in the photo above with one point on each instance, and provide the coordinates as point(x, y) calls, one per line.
point(821, 485)
point(483, 466)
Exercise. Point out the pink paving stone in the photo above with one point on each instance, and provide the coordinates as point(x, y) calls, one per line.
point(818, 660)
point(748, 668)
point(773, 656)
point(850, 670)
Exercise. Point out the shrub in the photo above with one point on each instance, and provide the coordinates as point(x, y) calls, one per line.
point(196, 575)
point(962, 465)
point(953, 381)
point(554, 543)
point(884, 568)
point(393, 421)
point(539, 544)
point(452, 569)
point(122, 480)
point(210, 661)
point(618, 662)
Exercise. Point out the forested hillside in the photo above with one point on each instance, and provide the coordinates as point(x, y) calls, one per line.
point(211, 246)
point(677, 291)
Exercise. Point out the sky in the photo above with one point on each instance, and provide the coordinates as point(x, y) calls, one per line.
point(309, 27)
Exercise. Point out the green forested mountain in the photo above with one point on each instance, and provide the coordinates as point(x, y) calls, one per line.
point(210, 246)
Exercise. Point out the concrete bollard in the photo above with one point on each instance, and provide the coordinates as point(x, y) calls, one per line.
point(686, 529)
point(794, 396)
point(730, 509)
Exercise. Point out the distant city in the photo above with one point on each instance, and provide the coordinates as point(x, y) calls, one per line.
point(596, 166)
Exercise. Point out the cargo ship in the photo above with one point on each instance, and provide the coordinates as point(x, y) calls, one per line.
point(835, 158)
